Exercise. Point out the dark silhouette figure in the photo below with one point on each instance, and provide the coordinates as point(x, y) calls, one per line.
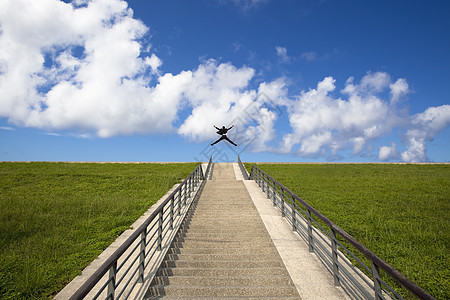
point(223, 131)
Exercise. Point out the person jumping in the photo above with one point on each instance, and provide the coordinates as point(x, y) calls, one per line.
point(223, 131)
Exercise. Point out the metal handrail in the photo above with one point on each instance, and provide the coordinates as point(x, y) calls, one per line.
point(293, 212)
point(243, 170)
point(180, 199)
point(208, 171)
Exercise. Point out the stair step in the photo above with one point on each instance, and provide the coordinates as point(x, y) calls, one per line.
point(231, 224)
point(222, 257)
point(260, 291)
point(214, 251)
point(222, 264)
point(222, 281)
point(216, 226)
point(219, 298)
point(236, 220)
point(223, 232)
point(225, 239)
point(208, 272)
point(224, 244)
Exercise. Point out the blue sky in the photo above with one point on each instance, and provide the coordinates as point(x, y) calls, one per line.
point(312, 81)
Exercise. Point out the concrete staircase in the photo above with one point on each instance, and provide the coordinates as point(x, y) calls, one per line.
point(225, 251)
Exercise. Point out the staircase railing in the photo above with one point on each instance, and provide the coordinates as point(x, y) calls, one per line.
point(127, 267)
point(243, 170)
point(209, 169)
point(330, 250)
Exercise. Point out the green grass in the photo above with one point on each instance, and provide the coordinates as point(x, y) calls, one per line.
point(55, 218)
point(400, 212)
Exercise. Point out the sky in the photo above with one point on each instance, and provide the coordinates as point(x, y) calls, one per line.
point(301, 80)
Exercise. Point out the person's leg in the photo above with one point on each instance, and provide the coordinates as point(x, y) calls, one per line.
point(221, 138)
point(230, 140)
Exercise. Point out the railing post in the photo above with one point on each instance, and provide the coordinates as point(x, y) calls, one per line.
point(195, 177)
point(273, 189)
point(334, 256)
point(188, 186)
point(179, 202)
point(191, 189)
point(260, 181)
point(112, 281)
point(160, 226)
point(294, 227)
point(281, 197)
point(310, 233)
point(263, 182)
point(142, 256)
point(172, 204)
point(267, 184)
point(274, 194)
point(376, 281)
point(184, 194)
point(283, 213)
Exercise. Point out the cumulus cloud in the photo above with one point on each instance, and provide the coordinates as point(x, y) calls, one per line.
point(398, 89)
point(324, 124)
point(154, 62)
point(387, 153)
point(78, 67)
point(424, 127)
point(216, 94)
point(219, 94)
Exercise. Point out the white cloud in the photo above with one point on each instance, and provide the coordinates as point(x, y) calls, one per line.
point(424, 127)
point(322, 123)
point(398, 89)
point(154, 62)
point(387, 153)
point(282, 54)
point(53, 134)
point(370, 84)
point(80, 67)
point(217, 96)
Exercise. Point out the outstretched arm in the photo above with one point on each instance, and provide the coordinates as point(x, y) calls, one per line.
point(216, 127)
point(231, 127)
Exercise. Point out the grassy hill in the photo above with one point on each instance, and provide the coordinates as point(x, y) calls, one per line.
point(399, 211)
point(55, 218)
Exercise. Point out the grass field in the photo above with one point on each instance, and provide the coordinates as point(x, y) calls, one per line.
point(55, 218)
point(400, 212)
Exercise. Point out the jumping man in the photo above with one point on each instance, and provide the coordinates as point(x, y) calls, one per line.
point(223, 131)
